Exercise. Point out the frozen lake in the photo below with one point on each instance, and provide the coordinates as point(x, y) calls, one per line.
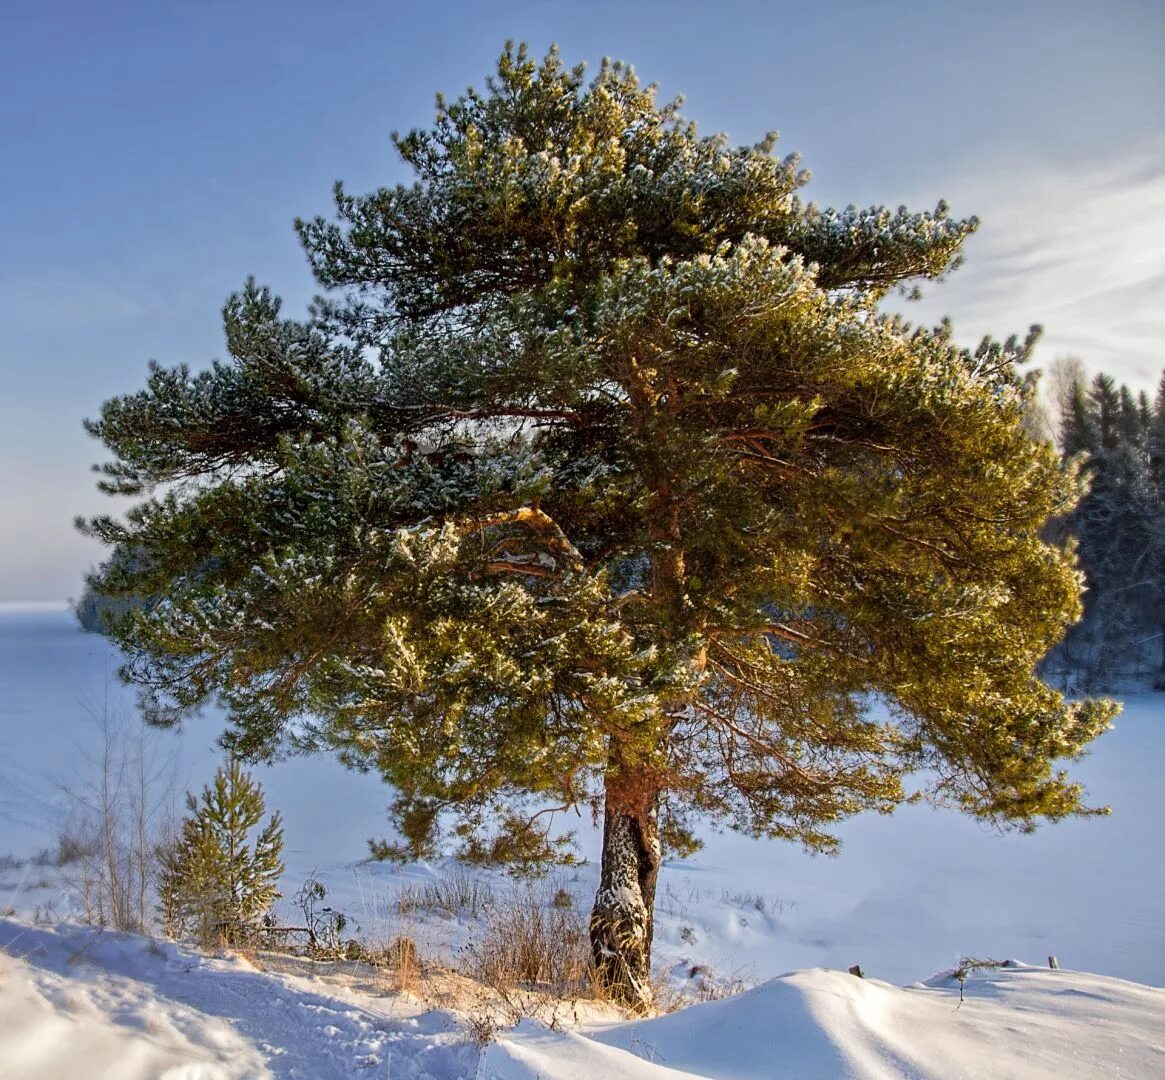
point(907, 895)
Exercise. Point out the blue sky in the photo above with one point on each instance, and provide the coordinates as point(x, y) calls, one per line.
point(153, 155)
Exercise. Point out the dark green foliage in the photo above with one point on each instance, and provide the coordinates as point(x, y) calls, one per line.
point(600, 476)
point(96, 611)
point(1119, 525)
point(216, 880)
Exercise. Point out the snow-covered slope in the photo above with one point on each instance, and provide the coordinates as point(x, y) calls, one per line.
point(1015, 1021)
point(78, 1003)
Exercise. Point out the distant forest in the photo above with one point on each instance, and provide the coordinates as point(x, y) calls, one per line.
point(1117, 439)
point(1119, 526)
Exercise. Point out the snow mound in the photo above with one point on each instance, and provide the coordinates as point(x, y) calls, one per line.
point(1016, 1021)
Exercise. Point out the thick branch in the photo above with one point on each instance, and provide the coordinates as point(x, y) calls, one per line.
point(543, 526)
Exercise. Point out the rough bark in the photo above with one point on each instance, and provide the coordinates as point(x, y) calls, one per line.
point(622, 921)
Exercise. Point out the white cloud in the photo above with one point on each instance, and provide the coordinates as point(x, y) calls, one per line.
point(1080, 250)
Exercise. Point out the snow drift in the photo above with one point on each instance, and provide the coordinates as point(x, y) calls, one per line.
point(79, 1003)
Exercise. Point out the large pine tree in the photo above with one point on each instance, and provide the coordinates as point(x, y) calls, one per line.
point(600, 481)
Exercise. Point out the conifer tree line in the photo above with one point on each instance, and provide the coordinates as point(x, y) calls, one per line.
point(597, 482)
point(1119, 527)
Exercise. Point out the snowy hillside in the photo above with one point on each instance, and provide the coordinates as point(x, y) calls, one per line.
point(74, 1003)
point(818, 1025)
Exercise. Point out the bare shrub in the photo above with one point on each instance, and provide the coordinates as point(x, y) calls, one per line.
point(482, 1027)
point(562, 898)
point(402, 953)
point(399, 961)
point(706, 985)
point(71, 849)
point(120, 813)
point(403, 959)
point(325, 925)
point(702, 985)
point(774, 905)
point(970, 965)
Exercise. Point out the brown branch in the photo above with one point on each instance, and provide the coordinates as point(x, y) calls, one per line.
point(520, 565)
point(762, 746)
point(786, 633)
point(740, 682)
point(542, 525)
point(753, 449)
point(945, 556)
point(440, 411)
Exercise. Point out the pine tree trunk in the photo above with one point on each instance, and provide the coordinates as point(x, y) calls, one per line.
point(622, 919)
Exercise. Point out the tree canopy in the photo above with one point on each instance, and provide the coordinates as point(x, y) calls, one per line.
point(600, 479)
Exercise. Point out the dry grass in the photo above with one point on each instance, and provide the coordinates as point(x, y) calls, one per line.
point(531, 939)
point(458, 891)
point(702, 985)
point(512, 951)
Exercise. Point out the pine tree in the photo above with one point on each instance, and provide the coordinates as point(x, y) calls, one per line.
point(1118, 525)
point(600, 481)
point(1078, 427)
point(1105, 399)
point(213, 882)
point(1156, 438)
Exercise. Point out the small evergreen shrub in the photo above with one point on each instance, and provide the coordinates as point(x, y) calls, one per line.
point(214, 884)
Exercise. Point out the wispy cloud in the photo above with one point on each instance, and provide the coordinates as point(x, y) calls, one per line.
point(70, 299)
point(1079, 250)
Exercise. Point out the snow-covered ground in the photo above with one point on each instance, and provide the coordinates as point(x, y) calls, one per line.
point(77, 1003)
point(907, 897)
point(74, 1003)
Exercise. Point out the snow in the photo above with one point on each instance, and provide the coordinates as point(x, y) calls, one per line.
point(78, 1002)
point(907, 896)
point(1014, 1022)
